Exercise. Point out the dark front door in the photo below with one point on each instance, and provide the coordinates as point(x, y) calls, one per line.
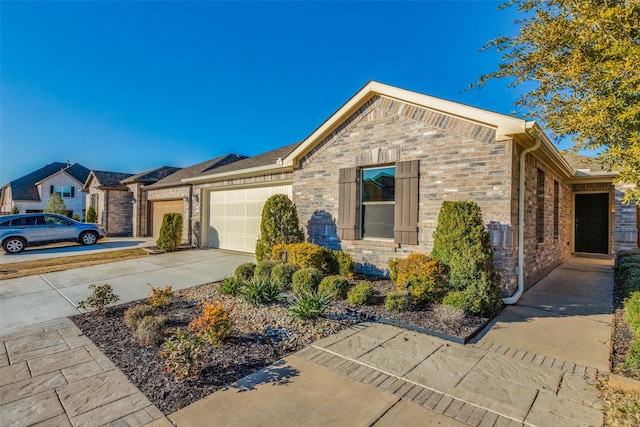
point(592, 223)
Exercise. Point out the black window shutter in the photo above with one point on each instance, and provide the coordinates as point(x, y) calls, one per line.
point(51, 189)
point(347, 201)
point(405, 227)
point(73, 191)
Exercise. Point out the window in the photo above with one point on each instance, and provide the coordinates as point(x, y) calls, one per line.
point(556, 210)
point(540, 209)
point(378, 202)
point(63, 190)
point(94, 201)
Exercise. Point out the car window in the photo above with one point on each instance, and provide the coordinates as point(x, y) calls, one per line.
point(54, 220)
point(5, 223)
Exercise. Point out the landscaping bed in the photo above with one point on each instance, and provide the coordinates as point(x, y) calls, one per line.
point(262, 335)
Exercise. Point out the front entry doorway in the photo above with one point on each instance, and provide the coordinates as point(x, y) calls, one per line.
point(592, 223)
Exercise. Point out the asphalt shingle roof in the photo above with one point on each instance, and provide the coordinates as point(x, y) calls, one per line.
point(152, 175)
point(195, 170)
point(24, 188)
point(110, 179)
point(578, 161)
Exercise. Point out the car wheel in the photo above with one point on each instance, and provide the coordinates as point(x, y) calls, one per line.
point(13, 245)
point(88, 238)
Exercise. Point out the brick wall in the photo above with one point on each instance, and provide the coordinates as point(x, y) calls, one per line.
point(625, 227)
point(459, 160)
point(119, 212)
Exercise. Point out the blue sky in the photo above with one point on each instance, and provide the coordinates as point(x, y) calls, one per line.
point(130, 86)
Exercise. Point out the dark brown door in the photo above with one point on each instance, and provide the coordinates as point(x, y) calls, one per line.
point(592, 223)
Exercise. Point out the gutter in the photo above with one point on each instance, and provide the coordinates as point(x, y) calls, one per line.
point(521, 184)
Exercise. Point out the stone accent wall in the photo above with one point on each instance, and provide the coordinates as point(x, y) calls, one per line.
point(114, 209)
point(173, 193)
point(139, 213)
point(459, 160)
point(542, 257)
point(100, 207)
point(625, 226)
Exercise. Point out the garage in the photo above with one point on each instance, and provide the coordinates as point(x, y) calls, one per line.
point(235, 215)
point(159, 208)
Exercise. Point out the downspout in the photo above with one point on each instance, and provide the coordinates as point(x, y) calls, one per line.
point(521, 188)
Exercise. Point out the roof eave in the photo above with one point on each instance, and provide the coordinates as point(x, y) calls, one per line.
point(241, 173)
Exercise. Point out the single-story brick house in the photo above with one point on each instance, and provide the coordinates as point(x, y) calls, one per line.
point(115, 197)
point(172, 195)
point(30, 193)
point(371, 179)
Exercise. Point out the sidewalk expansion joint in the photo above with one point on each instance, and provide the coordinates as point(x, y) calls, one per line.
point(60, 293)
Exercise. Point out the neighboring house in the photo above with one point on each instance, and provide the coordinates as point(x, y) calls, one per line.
point(371, 179)
point(172, 195)
point(31, 192)
point(116, 196)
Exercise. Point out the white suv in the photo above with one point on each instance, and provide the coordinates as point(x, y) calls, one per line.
point(19, 231)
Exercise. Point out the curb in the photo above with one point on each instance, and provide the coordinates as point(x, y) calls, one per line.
point(625, 384)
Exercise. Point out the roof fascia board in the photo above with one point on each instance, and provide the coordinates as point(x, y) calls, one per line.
point(548, 148)
point(241, 173)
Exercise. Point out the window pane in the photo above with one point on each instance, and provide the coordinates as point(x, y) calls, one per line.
point(379, 185)
point(377, 220)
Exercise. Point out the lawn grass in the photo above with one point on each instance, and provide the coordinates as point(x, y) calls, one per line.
point(28, 268)
point(620, 408)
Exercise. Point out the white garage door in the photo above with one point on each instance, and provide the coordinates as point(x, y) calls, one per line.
point(235, 215)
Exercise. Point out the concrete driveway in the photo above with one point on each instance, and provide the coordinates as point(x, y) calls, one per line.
point(33, 299)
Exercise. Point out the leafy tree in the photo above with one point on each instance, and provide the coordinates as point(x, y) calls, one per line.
point(279, 225)
point(55, 205)
point(15, 209)
point(92, 215)
point(582, 57)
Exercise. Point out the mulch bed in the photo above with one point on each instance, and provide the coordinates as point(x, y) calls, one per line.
point(262, 335)
point(621, 335)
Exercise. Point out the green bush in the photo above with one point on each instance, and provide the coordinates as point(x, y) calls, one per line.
point(259, 291)
point(308, 305)
point(182, 354)
point(230, 286)
point(396, 301)
point(345, 264)
point(55, 205)
point(427, 277)
point(170, 232)
point(457, 299)
point(245, 272)
point(282, 275)
point(334, 285)
point(135, 314)
point(462, 243)
point(361, 294)
point(150, 330)
point(263, 269)
point(92, 215)
point(306, 280)
point(15, 210)
point(100, 298)
point(76, 217)
point(632, 312)
point(279, 225)
point(632, 358)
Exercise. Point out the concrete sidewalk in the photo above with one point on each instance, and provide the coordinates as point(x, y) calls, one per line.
point(33, 299)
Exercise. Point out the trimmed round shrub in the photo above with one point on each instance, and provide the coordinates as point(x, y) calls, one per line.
point(396, 301)
point(245, 272)
point(346, 265)
point(334, 285)
point(135, 314)
point(306, 255)
point(306, 280)
point(282, 275)
point(150, 330)
point(263, 269)
point(427, 277)
point(361, 294)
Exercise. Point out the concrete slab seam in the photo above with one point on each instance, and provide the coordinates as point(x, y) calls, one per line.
point(60, 293)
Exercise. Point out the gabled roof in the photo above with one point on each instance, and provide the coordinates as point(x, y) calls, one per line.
point(107, 179)
point(151, 176)
point(177, 178)
point(586, 166)
point(25, 188)
point(271, 160)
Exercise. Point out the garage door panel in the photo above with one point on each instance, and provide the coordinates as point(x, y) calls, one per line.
point(235, 215)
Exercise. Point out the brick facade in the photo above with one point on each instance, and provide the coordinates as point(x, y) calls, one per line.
point(114, 208)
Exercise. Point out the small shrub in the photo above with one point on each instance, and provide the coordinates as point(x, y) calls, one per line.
point(15, 210)
point(480, 298)
point(150, 330)
point(230, 286)
point(135, 314)
point(76, 217)
point(306, 280)
point(456, 299)
point(346, 265)
point(279, 224)
point(282, 275)
point(160, 297)
point(361, 294)
point(214, 324)
point(427, 277)
point(396, 301)
point(92, 215)
point(260, 291)
point(245, 272)
point(308, 305)
point(263, 269)
point(632, 312)
point(182, 354)
point(632, 359)
point(334, 285)
point(100, 298)
point(306, 255)
point(170, 232)
point(55, 205)
point(279, 253)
